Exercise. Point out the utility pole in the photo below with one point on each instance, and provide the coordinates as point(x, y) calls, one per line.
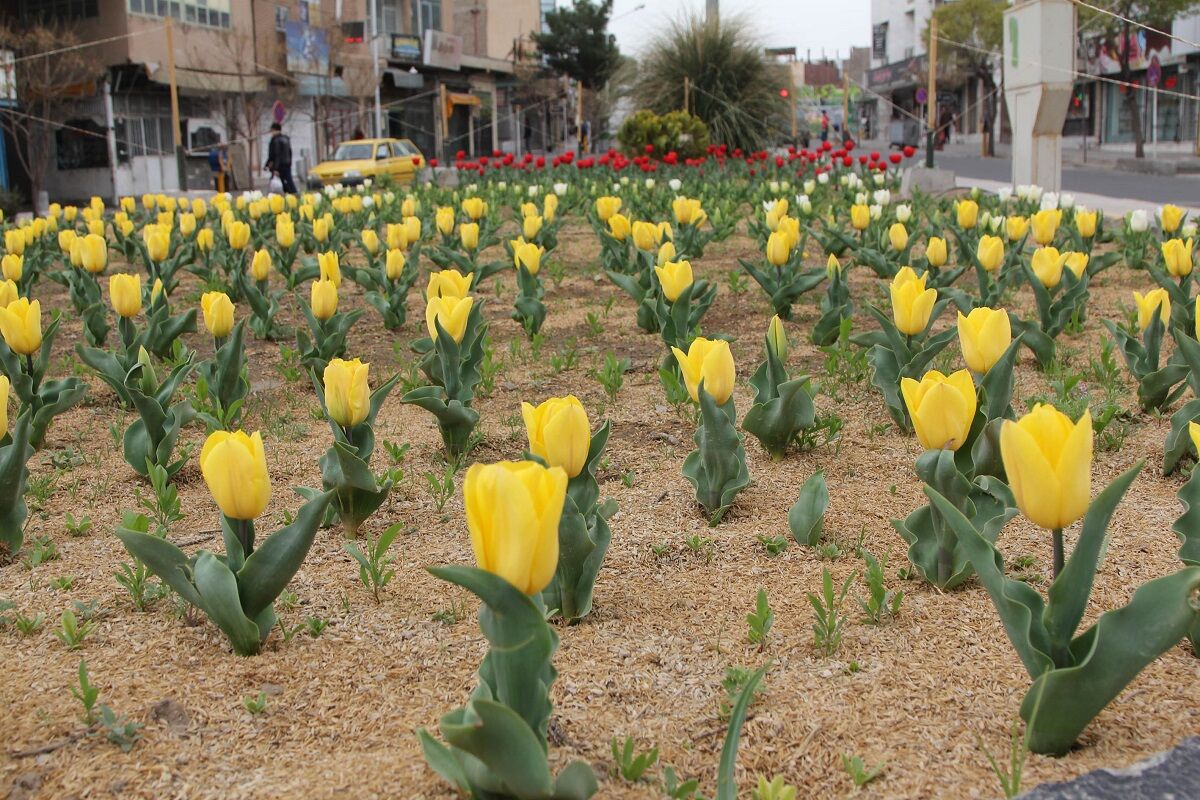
point(176, 129)
point(712, 11)
point(845, 106)
point(687, 88)
point(375, 66)
point(931, 98)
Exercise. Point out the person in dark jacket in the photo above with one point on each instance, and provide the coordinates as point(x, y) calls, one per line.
point(279, 158)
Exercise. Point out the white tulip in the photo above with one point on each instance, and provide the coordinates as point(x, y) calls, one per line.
point(560, 189)
point(876, 211)
point(1004, 193)
point(903, 213)
point(675, 184)
point(810, 186)
point(1139, 220)
point(823, 178)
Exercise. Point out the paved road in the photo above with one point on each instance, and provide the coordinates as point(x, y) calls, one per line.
point(1156, 189)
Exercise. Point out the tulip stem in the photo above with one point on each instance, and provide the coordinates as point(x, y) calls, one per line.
point(1058, 551)
point(29, 367)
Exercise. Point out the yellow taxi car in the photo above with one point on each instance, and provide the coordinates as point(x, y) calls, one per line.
point(358, 159)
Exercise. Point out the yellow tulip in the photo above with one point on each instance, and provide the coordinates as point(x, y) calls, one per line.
point(990, 253)
point(445, 220)
point(166, 202)
point(709, 361)
point(474, 208)
point(370, 240)
point(529, 256)
point(8, 293)
point(149, 201)
point(790, 226)
point(1178, 256)
point(260, 265)
point(666, 253)
point(451, 312)
point(674, 277)
point(21, 325)
point(531, 226)
point(77, 252)
point(331, 269)
point(239, 235)
point(860, 216)
point(234, 466)
point(529, 210)
point(645, 235)
point(1045, 225)
point(397, 236)
point(409, 207)
point(1048, 460)
point(935, 252)
point(324, 299)
point(559, 433)
point(12, 266)
point(1085, 223)
point(618, 226)
point(983, 336)
point(14, 242)
point(275, 202)
point(1016, 227)
point(413, 229)
point(96, 226)
point(5, 387)
point(156, 289)
point(967, 212)
point(1047, 264)
point(199, 208)
point(664, 231)
point(779, 249)
point(449, 283)
point(158, 242)
point(1076, 262)
point(898, 236)
point(912, 303)
point(550, 207)
point(1193, 431)
point(606, 207)
point(204, 240)
point(468, 232)
point(688, 211)
point(942, 408)
point(187, 225)
point(218, 313)
point(320, 227)
point(833, 266)
point(395, 264)
point(1171, 218)
point(128, 205)
point(1155, 300)
point(125, 292)
point(65, 239)
point(777, 338)
point(347, 395)
point(513, 510)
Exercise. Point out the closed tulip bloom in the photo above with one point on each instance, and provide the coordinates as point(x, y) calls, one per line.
point(234, 466)
point(128, 205)
point(559, 433)
point(199, 208)
point(513, 510)
point(1048, 460)
point(125, 293)
point(156, 289)
point(65, 239)
point(397, 236)
point(320, 227)
point(1076, 262)
point(983, 336)
point(158, 242)
point(324, 299)
point(451, 312)
point(674, 277)
point(275, 202)
point(990, 252)
point(664, 231)
point(833, 266)
point(606, 207)
point(408, 207)
point(935, 252)
point(645, 235)
point(1085, 223)
point(1154, 301)
point(445, 220)
point(77, 252)
point(666, 253)
point(1193, 428)
point(331, 269)
point(779, 249)
point(688, 211)
point(790, 227)
point(912, 303)
point(412, 227)
point(967, 212)
point(395, 264)
point(474, 208)
point(239, 235)
point(550, 207)
point(1016, 228)
point(370, 240)
point(860, 216)
point(96, 226)
point(21, 325)
point(942, 408)
point(777, 338)
point(529, 256)
point(260, 265)
point(204, 240)
point(531, 226)
point(898, 236)
point(14, 242)
point(1178, 257)
point(1171, 217)
point(468, 232)
point(218, 313)
point(187, 225)
point(8, 293)
point(1045, 225)
point(449, 283)
point(618, 226)
point(1047, 264)
point(710, 361)
point(12, 266)
point(347, 395)
point(5, 387)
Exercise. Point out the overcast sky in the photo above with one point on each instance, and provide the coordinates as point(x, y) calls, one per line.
point(779, 23)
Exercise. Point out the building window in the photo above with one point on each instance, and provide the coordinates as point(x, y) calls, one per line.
point(209, 13)
point(426, 14)
point(81, 145)
point(47, 11)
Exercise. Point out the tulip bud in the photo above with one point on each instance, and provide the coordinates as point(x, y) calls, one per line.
point(260, 265)
point(324, 299)
point(513, 510)
point(709, 361)
point(559, 433)
point(125, 293)
point(1045, 225)
point(898, 236)
point(833, 266)
point(550, 207)
point(21, 326)
point(935, 252)
point(395, 264)
point(777, 338)
point(942, 408)
point(779, 249)
point(912, 303)
point(1170, 217)
point(452, 313)
point(234, 467)
point(860, 216)
point(218, 313)
point(409, 207)
point(156, 289)
point(1085, 223)
point(445, 220)
point(320, 228)
point(531, 226)
point(239, 235)
point(370, 240)
point(666, 253)
point(148, 383)
point(1177, 255)
point(990, 253)
point(347, 394)
point(330, 267)
point(674, 277)
point(1047, 264)
point(1155, 300)
point(12, 266)
point(468, 232)
point(1048, 460)
point(967, 212)
point(984, 335)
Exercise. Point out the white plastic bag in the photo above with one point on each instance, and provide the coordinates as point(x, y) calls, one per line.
point(275, 186)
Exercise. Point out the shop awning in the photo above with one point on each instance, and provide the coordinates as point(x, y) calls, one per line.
point(460, 99)
point(201, 81)
point(320, 86)
point(403, 79)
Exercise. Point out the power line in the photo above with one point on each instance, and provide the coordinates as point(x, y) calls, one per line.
point(92, 43)
point(1134, 22)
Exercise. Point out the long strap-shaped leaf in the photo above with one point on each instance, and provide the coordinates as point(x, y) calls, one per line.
point(726, 777)
point(1188, 524)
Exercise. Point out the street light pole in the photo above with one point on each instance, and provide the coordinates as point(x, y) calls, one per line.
point(176, 128)
point(375, 65)
point(931, 99)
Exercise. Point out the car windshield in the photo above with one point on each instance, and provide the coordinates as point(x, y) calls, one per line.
point(353, 151)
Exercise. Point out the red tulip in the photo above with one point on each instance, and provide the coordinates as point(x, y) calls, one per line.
point(895, 158)
point(433, 162)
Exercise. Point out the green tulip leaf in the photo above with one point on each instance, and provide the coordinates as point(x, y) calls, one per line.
point(441, 759)
point(14, 472)
point(499, 738)
point(575, 782)
point(218, 591)
point(726, 770)
point(1187, 526)
point(273, 563)
point(717, 467)
point(806, 517)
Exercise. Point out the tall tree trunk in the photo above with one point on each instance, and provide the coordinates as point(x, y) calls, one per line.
point(1132, 95)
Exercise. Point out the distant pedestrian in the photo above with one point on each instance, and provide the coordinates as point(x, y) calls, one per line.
point(279, 158)
point(218, 162)
point(864, 125)
point(358, 133)
point(824, 126)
